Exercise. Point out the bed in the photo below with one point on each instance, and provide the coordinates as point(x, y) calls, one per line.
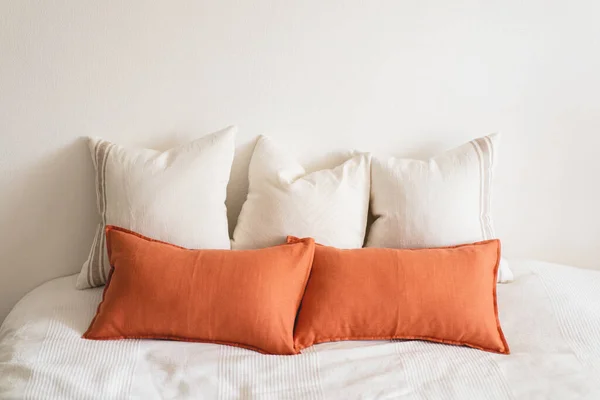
point(550, 315)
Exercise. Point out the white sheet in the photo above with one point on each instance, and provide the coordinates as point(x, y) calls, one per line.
point(550, 315)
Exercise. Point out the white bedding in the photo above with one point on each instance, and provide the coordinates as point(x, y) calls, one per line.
point(550, 315)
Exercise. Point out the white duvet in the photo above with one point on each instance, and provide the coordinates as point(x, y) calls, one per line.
point(550, 315)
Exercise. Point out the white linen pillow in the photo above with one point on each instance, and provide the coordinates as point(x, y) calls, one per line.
point(443, 201)
point(177, 196)
point(330, 205)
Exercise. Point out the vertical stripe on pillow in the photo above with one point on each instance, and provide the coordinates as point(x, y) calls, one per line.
point(484, 149)
point(97, 273)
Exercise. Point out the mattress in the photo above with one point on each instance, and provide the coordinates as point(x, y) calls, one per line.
point(550, 315)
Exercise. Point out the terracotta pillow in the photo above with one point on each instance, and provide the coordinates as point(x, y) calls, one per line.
point(246, 298)
point(374, 293)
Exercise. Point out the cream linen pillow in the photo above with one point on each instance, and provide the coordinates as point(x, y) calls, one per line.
point(330, 206)
point(177, 196)
point(443, 201)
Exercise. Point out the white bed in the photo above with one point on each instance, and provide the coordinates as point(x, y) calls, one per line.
point(550, 315)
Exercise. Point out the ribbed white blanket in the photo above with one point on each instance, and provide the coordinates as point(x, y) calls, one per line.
point(550, 315)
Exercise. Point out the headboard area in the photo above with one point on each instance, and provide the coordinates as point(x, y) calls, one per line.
point(321, 78)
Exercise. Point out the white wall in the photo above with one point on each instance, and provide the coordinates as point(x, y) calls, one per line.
point(399, 77)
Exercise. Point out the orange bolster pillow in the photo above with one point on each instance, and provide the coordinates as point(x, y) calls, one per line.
point(445, 295)
point(246, 298)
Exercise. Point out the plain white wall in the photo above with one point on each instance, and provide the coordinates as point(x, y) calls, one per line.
point(394, 77)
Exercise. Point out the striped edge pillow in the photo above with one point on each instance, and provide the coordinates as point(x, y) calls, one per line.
point(164, 195)
point(443, 201)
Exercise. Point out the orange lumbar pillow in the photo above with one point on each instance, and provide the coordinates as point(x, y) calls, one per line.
point(445, 295)
point(244, 298)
